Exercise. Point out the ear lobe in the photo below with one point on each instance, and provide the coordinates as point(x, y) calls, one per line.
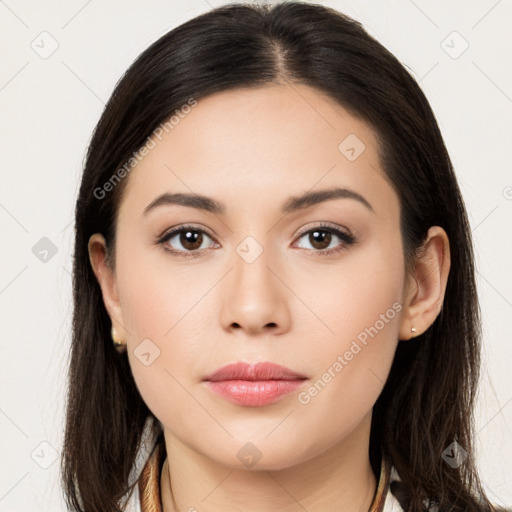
point(107, 280)
point(426, 290)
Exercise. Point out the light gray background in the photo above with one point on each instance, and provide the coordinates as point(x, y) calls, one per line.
point(49, 107)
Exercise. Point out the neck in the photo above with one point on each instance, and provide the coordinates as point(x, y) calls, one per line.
point(340, 477)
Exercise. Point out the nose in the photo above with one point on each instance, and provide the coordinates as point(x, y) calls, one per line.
point(254, 298)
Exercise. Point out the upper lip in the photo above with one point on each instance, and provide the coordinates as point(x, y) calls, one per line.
point(253, 372)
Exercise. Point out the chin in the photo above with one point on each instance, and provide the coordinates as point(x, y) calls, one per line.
point(259, 455)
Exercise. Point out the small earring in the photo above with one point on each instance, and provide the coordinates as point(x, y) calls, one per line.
point(119, 345)
point(413, 330)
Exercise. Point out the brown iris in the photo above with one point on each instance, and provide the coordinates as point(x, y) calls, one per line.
point(324, 236)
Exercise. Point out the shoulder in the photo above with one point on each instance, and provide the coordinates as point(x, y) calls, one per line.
point(132, 504)
point(395, 495)
point(131, 501)
point(391, 503)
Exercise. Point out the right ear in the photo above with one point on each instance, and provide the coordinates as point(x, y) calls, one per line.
point(105, 274)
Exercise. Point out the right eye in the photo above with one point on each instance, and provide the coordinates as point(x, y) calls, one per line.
point(190, 238)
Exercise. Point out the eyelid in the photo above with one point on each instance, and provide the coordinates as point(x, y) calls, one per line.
point(303, 231)
point(326, 225)
point(182, 227)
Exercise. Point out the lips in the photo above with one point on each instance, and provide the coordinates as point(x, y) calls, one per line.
point(253, 372)
point(254, 385)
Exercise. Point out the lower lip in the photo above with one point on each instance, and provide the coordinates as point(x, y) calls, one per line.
point(254, 393)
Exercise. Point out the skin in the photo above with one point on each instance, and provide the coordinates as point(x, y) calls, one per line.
point(252, 149)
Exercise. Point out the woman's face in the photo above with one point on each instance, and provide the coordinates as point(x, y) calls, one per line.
point(256, 286)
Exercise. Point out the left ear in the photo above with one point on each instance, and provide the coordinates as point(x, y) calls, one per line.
point(426, 288)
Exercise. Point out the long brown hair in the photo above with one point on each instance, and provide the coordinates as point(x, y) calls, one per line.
point(427, 402)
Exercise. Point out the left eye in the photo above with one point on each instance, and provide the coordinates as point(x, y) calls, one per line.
point(321, 237)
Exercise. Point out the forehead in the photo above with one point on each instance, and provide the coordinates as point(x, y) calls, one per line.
point(251, 145)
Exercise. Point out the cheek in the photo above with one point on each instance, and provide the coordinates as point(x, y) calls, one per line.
point(362, 308)
point(353, 293)
point(163, 313)
point(155, 291)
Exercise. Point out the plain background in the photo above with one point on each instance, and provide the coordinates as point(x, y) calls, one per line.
point(49, 106)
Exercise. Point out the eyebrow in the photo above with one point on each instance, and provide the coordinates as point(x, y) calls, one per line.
point(292, 205)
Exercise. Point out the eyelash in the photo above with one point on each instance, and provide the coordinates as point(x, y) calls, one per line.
point(347, 239)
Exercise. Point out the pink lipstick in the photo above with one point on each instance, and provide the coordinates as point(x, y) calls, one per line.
point(254, 385)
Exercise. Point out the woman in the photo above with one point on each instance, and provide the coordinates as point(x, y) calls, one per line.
point(270, 233)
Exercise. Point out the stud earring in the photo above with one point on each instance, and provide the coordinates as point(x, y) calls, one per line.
point(119, 345)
